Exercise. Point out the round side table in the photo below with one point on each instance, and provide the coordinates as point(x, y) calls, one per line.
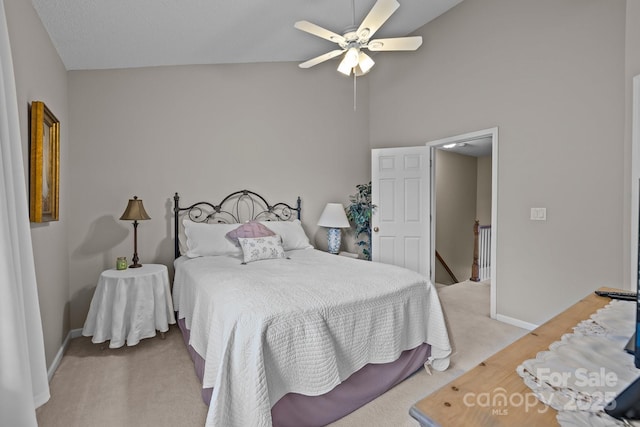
point(130, 305)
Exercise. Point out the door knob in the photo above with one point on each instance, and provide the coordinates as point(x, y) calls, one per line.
point(376, 229)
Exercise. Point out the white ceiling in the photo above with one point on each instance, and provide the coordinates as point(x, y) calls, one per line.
point(478, 147)
point(100, 34)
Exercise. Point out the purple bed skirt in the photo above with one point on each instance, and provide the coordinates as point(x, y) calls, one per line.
point(296, 410)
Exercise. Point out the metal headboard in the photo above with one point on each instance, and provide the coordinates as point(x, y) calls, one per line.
point(237, 207)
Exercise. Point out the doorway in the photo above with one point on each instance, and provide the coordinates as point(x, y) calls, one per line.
point(477, 144)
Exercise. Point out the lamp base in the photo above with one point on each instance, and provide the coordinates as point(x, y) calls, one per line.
point(135, 258)
point(334, 237)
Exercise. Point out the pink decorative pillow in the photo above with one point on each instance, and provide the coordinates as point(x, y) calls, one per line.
point(248, 230)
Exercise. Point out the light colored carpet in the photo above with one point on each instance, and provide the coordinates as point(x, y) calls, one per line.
point(474, 337)
point(154, 384)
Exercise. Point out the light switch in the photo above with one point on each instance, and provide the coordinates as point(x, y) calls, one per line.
point(538, 214)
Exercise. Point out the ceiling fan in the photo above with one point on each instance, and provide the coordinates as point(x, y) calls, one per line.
point(354, 40)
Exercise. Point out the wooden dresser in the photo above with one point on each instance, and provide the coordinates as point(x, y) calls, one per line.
point(466, 401)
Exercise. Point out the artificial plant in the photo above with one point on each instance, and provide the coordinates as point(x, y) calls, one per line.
point(359, 212)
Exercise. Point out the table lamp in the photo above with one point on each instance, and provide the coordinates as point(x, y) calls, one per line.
point(334, 218)
point(135, 212)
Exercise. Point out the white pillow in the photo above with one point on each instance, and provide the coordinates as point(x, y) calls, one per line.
point(257, 248)
point(209, 239)
point(292, 233)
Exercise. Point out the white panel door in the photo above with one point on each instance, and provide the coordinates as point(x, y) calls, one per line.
point(401, 191)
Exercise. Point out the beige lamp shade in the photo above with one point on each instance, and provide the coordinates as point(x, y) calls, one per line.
point(135, 211)
point(333, 216)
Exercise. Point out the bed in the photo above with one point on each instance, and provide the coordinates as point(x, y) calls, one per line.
point(283, 334)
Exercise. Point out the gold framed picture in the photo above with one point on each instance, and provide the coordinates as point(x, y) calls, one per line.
point(44, 164)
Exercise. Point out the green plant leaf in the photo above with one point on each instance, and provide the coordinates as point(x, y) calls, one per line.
point(360, 212)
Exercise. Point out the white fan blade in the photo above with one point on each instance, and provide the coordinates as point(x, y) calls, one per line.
point(321, 58)
point(378, 15)
point(317, 30)
point(398, 43)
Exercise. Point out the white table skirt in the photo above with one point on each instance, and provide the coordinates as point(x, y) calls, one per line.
point(130, 305)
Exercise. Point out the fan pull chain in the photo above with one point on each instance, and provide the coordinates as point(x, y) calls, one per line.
point(354, 91)
point(353, 13)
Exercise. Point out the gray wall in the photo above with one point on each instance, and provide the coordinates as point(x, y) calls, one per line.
point(41, 76)
point(203, 131)
point(463, 194)
point(550, 75)
point(456, 195)
point(483, 196)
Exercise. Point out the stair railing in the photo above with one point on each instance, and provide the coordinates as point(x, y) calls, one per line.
point(446, 267)
point(481, 266)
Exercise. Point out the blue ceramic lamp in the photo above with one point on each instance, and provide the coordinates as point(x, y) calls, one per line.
point(334, 218)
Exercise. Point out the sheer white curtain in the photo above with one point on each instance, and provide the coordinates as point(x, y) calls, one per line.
point(23, 373)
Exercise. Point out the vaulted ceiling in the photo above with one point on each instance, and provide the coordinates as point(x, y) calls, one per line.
point(101, 34)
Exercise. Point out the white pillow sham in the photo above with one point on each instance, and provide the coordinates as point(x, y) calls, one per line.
point(258, 248)
point(209, 239)
point(292, 233)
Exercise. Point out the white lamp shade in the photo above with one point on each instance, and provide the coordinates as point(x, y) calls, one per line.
point(349, 61)
point(365, 63)
point(333, 216)
point(344, 67)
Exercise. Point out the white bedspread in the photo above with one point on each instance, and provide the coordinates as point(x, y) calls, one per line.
point(301, 325)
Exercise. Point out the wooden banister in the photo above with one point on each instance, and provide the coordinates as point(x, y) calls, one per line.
point(475, 267)
point(446, 267)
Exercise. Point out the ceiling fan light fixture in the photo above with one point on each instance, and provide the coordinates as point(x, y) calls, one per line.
point(365, 63)
point(349, 61)
point(352, 56)
point(344, 67)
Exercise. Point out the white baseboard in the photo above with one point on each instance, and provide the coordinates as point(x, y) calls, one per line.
point(74, 333)
point(516, 322)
